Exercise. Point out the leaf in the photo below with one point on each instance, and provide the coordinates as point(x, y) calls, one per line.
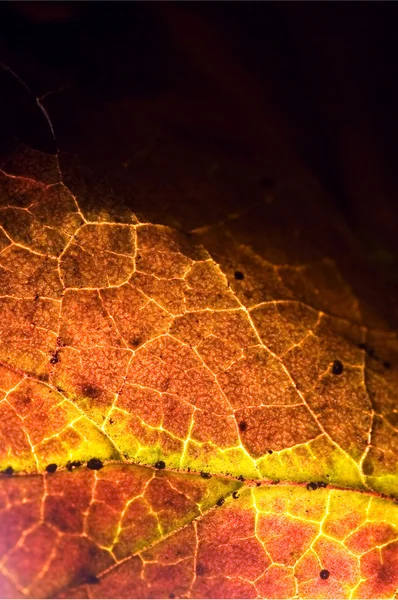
point(209, 414)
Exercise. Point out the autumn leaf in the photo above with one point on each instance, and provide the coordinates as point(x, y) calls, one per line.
point(185, 414)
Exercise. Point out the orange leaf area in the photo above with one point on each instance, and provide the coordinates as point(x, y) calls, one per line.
point(243, 408)
point(136, 532)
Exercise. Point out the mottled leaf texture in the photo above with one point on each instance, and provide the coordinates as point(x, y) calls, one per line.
point(202, 415)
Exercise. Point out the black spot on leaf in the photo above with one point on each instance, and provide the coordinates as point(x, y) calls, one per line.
point(337, 367)
point(205, 475)
point(324, 574)
point(241, 478)
point(239, 275)
point(51, 468)
point(235, 495)
point(95, 464)
point(387, 364)
point(312, 486)
point(8, 471)
point(220, 502)
point(160, 464)
point(54, 359)
point(242, 426)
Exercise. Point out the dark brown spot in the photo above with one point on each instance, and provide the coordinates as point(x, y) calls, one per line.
point(205, 475)
point(220, 502)
point(91, 391)
point(386, 364)
point(135, 341)
point(8, 471)
point(235, 495)
point(51, 468)
point(241, 478)
point(172, 596)
point(270, 451)
point(242, 426)
point(160, 464)
point(55, 358)
point(92, 579)
point(200, 569)
point(367, 468)
point(312, 486)
point(324, 574)
point(321, 484)
point(95, 464)
point(337, 367)
point(43, 377)
point(239, 275)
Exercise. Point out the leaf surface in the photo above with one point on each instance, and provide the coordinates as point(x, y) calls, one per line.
point(250, 374)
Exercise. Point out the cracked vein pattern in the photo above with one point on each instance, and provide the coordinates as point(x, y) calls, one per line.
point(134, 532)
point(130, 341)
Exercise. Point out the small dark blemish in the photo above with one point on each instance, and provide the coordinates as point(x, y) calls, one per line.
point(312, 486)
point(91, 391)
point(55, 358)
point(160, 464)
point(111, 421)
point(220, 502)
point(73, 464)
point(386, 364)
point(241, 478)
point(337, 367)
point(324, 574)
point(205, 475)
point(51, 468)
point(239, 275)
point(43, 377)
point(258, 483)
point(95, 464)
point(135, 341)
point(8, 471)
point(172, 596)
point(242, 426)
point(92, 579)
point(235, 495)
point(270, 451)
point(37, 297)
point(200, 570)
point(321, 484)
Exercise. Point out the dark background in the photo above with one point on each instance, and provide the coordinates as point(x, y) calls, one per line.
point(295, 89)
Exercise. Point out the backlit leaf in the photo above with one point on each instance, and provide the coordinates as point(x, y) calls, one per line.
point(185, 415)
